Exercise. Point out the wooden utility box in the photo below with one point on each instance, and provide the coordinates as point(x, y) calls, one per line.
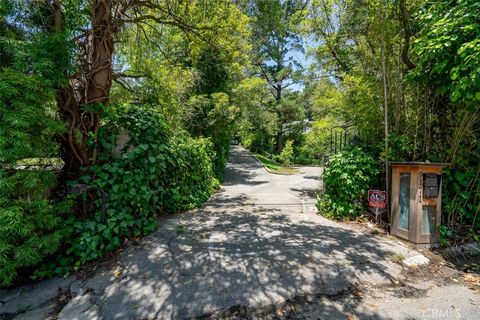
point(416, 202)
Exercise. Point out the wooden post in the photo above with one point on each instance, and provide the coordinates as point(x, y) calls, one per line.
point(385, 111)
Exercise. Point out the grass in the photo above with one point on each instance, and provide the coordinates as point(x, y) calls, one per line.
point(398, 258)
point(276, 167)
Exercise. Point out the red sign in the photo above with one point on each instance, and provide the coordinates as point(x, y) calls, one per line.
point(377, 198)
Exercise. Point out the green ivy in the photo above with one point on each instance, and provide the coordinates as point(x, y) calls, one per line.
point(155, 173)
point(347, 178)
point(191, 176)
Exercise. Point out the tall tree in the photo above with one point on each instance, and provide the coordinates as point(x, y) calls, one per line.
point(8, 32)
point(91, 28)
point(349, 36)
point(275, 42)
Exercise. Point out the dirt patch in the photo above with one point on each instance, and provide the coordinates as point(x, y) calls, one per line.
point(365, 224)
point(61, 301)
point(464, 257)
point(291, 309)
point(406, 291)
point(457, 265)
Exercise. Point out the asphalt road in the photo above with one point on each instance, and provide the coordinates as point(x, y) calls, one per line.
point(256, 243)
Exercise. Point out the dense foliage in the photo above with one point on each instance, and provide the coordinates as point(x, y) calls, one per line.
point(213, 116)
point(30, 228)
point(141, 99)
point(462, 196)
point(448, 50)
point(154, 172)
point(347, 178)
point(427, 52)
point(70, 89)
point(286, 156)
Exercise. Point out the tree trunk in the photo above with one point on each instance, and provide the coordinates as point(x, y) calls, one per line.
point(81, 101)
point(99, 79)
point(407, 33)
point(279, 138)
point(73, 150)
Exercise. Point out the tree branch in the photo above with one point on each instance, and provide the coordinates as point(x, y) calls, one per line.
point(118, 75)
point(407, 34)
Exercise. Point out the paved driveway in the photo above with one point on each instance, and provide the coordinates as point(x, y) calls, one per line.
point(256, 243)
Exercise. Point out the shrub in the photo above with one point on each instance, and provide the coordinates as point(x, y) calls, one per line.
point(221, 149)
point(155, 173)
point(346, 179)
point(191, 177)
point(461, 198)
point(286, 156)
point(317, 140)
point(247, 140)
point(30, 223)
point(212, 116)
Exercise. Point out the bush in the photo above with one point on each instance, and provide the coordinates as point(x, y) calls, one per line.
point(461, 198)
point(191, 177)
point(306, 161)
point(286, 156)
point(247, 140)
point(346, 179)
point(212, 116)
point(221, 149)
point(30, 223)
point(155, 173)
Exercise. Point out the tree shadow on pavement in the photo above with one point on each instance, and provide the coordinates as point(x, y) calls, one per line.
point(239, 259)
point(308, 193)
point(237, 254)
point(243, 170)
point(224, 201)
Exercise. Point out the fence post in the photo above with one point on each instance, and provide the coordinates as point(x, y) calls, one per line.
point(335, 142)
point(331, 140)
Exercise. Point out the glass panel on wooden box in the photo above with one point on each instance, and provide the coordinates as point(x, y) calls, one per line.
point(428, 220)
point(404, 200)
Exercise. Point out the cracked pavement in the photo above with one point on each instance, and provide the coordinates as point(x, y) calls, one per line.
point(257, 242)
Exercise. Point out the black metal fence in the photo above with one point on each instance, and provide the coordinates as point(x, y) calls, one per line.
point(341, 139)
